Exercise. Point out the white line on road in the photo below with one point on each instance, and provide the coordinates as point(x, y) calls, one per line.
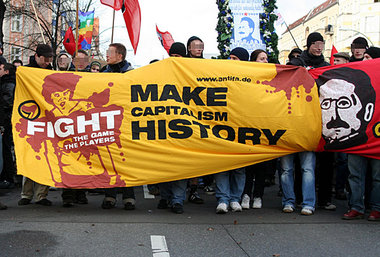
point(159, 247)
point(146, 193)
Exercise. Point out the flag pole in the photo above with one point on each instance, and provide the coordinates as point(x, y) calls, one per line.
point(38, 21)
point(76, 35)
point(113, 25)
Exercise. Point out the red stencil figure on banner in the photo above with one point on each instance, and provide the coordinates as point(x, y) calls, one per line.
point(83, 128)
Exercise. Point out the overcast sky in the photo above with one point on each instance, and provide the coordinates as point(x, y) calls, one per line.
point(183, 19)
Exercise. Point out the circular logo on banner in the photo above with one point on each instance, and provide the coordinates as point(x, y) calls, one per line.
point(29, 110)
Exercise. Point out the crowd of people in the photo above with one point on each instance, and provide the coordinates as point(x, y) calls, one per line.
point(351, 177)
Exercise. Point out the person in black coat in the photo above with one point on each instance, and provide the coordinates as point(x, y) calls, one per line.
point(313, 56)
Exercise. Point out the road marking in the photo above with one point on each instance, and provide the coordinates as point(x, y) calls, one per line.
point(159, 247)
point(146, 193)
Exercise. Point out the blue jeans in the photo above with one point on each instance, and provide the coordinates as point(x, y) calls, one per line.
point(229, 185)
point(357, 166)
point(307, 161)
point(174, 191)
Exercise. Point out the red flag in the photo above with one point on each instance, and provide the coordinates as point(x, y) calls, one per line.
point(132, 17)
point(69, 41)
point(333, 51)
point(165, 38)
point(115, 4)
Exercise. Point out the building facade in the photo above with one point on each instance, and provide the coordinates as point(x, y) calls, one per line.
point(339, 22)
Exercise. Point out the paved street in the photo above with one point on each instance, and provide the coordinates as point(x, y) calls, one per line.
point(88, 230)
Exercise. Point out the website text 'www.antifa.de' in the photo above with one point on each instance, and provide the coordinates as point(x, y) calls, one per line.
point(223, 79)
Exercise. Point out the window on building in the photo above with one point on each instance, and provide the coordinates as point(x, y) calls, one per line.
point(16, 23)
point(15, 53)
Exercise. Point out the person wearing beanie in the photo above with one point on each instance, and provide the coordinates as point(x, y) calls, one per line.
point(372, 53)
point(195, 47)
point(63, 61)
point(177, 49)
point(313, 56)
point(240, 54)
point(358, 48)
point(295, 53)
point(95, 66)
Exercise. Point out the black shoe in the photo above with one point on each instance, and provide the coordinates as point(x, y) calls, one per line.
point(24, 201)
point(177, 208)
point(195, 198)
point(162, 204)
point(68, 203)
point(81, 199)
point(129, 206)
point(44, 202)
point(108, 204)
point(3, 206)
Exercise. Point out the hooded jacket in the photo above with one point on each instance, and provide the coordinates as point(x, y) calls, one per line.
point(7, 89)
point(59, 55)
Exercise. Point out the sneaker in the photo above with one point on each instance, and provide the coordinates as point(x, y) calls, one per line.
point(257, 203)
point(307, 211)
point(235, 206)
point(221, 208)
point(129, 204)
point(162, 204)
point(108, 204)
point(328, 206)
point(288, 209)
point(24, 201)
point(353, 215)
point(245, 202)
point(44, 202)
point(177, 208)
point(374, 216)
point(195, 198)
point(209, 190)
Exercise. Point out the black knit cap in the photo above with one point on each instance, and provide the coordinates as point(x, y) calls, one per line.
point(44, 50)
point(295, 50)
point(374, 52)
point(178, 48)
point(359, 43)
point(191, 39)
point(314, 37)
point(240, 53)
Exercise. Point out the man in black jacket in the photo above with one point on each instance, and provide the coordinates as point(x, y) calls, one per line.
point(313, 56)
point(42, 59)
point(7, 87)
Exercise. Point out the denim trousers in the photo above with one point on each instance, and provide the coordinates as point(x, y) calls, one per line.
point(229, 185)
point(174, 191)
point(307, 162)
point(357, 166)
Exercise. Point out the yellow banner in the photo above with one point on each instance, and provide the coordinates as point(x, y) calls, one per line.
point(173, 119)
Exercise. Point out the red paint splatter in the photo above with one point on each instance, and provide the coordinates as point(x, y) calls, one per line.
point(123, 159)
point(309, 98)
point(110, 84)
point(38, 157)
point(89, 163)
point(289, 77)
point(121, 154)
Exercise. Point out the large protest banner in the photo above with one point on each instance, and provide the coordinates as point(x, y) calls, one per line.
point(349, 98)
point(173, 119)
